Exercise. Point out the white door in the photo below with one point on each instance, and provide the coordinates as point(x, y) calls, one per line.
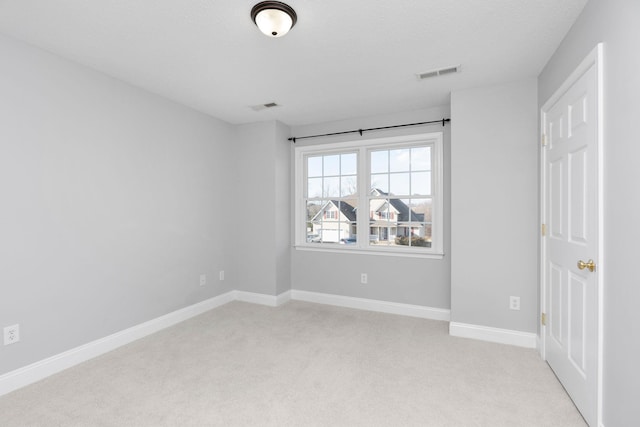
point(571, 246)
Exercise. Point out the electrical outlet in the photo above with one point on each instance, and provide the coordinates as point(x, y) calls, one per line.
point(363, 278)
point(11, 334)
point(514, 303)
point(203, 279)
point(221, 274)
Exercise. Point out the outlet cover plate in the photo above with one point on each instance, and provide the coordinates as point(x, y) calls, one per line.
point(11, 334)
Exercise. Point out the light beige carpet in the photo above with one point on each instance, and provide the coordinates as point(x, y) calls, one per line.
point(301, 364)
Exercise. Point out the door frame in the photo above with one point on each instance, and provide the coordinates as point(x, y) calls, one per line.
point(594, 58)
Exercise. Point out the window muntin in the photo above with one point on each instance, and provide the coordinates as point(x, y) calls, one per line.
point(400, 211)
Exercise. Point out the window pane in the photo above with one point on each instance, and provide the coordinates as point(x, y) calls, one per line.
point(349, 164)
point(399, 160)
point(382, 220)
point(399, 183)
point(413, 234)
point(379, 161)
point(421, 159)
point(348, 186)
point(314, 187)
point(427, 234)
point(334, 222)
point(421, 183)
point(348, 220)
point(314, 166)
point(411, 228)
point(412, 213)
point(313, 208)
point(422, 208)
point(380, 182)
point(331, 187)
point(331, 165)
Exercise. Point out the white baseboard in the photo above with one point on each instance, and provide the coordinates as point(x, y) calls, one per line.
point(283, 298)
point(36, 371)
point(497, 335)
point(372, 305)
point(263, 299)
point(39, 370)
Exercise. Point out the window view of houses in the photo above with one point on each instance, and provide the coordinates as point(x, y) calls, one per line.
point(392, 221)
point(398, 205)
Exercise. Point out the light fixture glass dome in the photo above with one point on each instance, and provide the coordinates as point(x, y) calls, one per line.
point(273, 18)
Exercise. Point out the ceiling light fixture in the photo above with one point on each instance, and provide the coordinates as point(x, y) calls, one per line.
point(274, 18)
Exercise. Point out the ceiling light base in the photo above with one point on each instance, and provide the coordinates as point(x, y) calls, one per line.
point(274, 18)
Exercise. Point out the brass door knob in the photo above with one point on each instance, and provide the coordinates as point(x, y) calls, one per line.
point(590, 265)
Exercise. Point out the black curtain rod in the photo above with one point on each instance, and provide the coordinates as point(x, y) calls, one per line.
point(443, 121)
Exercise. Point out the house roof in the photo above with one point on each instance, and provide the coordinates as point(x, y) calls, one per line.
point(404, 212)
point(345, 208)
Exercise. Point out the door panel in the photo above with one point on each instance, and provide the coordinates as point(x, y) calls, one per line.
point(556, 194)
point(577, 315)
point(578, 197)
point(555, 310)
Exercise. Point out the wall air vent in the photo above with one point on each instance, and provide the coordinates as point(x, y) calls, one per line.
point(439, 72)
point(264, 106)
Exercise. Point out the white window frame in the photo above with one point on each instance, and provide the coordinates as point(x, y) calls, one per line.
point(363, 148)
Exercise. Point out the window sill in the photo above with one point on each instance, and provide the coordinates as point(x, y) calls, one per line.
point(378, 251)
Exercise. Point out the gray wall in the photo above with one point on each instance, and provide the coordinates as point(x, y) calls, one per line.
point(284, 216)
point(110, 204)
point(405, 280)
point(260, 209)
point(494, 189)
point(614, 22)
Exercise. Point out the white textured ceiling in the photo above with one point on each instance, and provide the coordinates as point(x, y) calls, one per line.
point(343, 59)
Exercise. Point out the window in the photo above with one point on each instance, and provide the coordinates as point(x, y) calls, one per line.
point(377, 196)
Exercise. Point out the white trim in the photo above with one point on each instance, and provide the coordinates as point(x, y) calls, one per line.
point(374, 251)
point(599, 61)
point(497, 335)
point(39, 370)
point(283, 298)
point(372, 305)
point(262, 299)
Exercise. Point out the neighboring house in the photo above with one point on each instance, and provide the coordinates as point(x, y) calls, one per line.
point(334, 221)
point(388, 219)
point(391, 218)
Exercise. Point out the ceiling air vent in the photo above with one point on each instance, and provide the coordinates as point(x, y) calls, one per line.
point(439, 72)
point(264, 106)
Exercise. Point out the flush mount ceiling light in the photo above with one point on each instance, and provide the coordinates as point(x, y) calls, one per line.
point(274, 18)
